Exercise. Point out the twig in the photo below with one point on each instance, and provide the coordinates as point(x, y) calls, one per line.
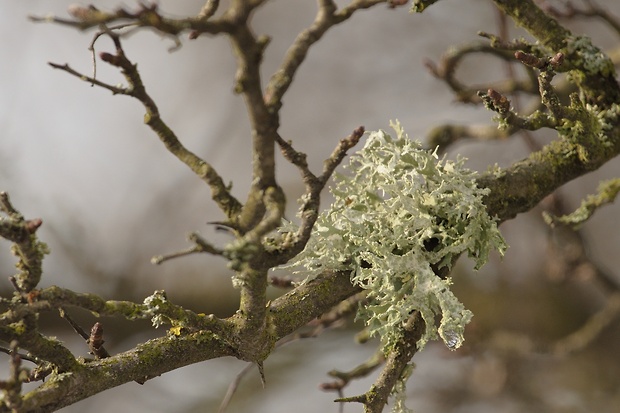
point(21, 355)
point(607, 193)
point(327, 16)
point(309, 209)
point(6, 206)
point(160, 259)
point(220, 193)
point(296, 158)
point(97, 35)
point(592, 10)
point(209, 9)
point(94, 339)
point(442, 136)
point(86, 17)
point(145, 16)
point(319, 325)
point(42, 370)
point(158, 306)
point(202, 245)
point(114, 89)
point(344, 309)
point(78, 329)
point(233, 386)
point(446, 70)
point(27, 247)
point(397, 361)
point(509, 119)
point(502, 22)
point(343, 378)
point(340, 152)
point(585, 335)
point(13, 386)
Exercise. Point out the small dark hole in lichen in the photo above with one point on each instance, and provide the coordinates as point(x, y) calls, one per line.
point(431, 243)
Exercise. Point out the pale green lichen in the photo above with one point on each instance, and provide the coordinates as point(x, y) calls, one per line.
point(607, 119)
point(496, 170)
point(607, 193)
point(239, 252)
point(399, 215)
point(400, 397)
point(587, 126)
point(154, 304)
point(589, 58)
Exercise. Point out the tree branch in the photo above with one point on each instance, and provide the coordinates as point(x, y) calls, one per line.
point(584, 145)
point(26, 245)
point(308, 301)
point(327, 16)
point(146, 16)
point(597, 73)
point(146, 361)
point(309, 210)
point(524, 184)
point(397, 361)
point(219, 192)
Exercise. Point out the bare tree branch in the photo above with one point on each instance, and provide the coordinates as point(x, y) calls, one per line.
point(220, 193)
point(589, 136)
point(27, 247)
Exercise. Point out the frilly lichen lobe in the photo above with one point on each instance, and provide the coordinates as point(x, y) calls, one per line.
point(398, 216)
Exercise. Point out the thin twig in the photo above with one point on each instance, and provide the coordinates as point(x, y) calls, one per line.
point(446, 70)
point(114, 89)
point(396, 362)
point(147, 15)
point(94, 339)
point(502, 22)
point(78, 329)
point(201, 246)
point(27, 247)
point(22, 355)
point(327, 16)
point(220, 193)
point(319, 326)
point(309, 209)
point(360, 371)
point(209, 9)
point(592, 10)
point(590, 330)
point(17, 376)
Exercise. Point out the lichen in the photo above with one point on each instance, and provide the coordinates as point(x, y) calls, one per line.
point(238, 252)
point(588, 127)
point(607, 193)
point(607, 120)
point(399, 215)
point(589, 58)
point(496, 170)
point(154, 304)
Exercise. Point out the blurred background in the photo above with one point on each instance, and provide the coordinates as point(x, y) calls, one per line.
point(111, 197)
